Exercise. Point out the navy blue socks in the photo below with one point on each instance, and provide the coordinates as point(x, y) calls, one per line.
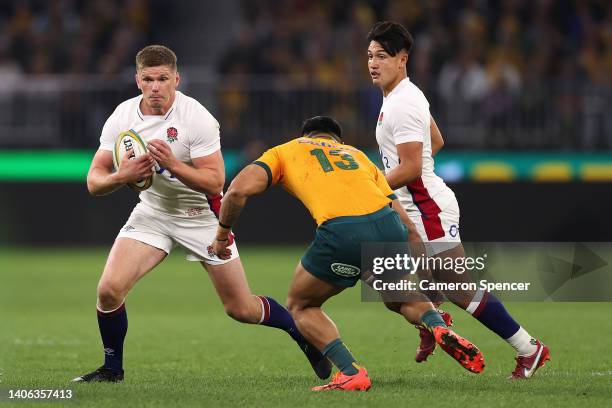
point(492, 313)
point(113, 328)
point(275, 315)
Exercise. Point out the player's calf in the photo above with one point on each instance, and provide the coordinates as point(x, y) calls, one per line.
point(489, 311)
point(275, 315)
point(113, 328)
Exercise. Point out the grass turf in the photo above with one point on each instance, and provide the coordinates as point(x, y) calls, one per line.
point(181, 349)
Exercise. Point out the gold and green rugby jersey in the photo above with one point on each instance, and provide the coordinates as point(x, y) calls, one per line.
point(330, 178)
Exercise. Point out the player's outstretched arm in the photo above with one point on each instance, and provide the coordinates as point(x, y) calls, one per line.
point(206, 174)
point(101, 180)
point(252, 180)
point(410, 165)
point(437, 142)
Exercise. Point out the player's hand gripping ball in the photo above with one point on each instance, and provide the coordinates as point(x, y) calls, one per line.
point(126, 141)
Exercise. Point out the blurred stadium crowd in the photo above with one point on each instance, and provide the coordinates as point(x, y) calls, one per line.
point(78, 37)
point(508, 74)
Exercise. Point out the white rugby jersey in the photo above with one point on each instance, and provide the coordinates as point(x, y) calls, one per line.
point(404, 117)
point(190, 130)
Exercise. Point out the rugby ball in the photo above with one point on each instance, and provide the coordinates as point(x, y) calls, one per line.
point(130, 140)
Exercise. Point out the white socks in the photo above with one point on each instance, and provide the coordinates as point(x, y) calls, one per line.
point(523, 343)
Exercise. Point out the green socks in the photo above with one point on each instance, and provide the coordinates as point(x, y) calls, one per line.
point(342, 358)
point(432, 318)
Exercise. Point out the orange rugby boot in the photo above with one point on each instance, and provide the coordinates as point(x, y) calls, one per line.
point(343, 382)
point(460, 349)
point(427, 342)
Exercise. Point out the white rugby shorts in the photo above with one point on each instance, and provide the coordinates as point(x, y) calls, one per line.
point(438, 223)
point(193, 234)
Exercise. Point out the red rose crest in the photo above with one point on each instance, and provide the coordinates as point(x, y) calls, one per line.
point(172, 134)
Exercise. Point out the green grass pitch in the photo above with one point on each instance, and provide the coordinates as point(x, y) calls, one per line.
point(181, 349)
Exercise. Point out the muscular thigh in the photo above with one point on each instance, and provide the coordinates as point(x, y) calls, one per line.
point(307, 290)
point(230, 281)
point(128, 261)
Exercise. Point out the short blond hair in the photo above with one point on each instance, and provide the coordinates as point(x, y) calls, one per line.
point(154, 56)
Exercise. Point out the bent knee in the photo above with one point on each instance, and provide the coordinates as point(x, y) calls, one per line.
point(296, 306)
point(110, 295)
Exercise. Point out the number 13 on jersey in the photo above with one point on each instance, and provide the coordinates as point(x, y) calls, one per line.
point(346, 162)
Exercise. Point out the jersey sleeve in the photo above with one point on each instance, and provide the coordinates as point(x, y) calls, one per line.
point(271, 162)
point(205, 138)
point(110, 131)
point(409, 123)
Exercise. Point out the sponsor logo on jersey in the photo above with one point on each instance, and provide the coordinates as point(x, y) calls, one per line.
point(453, 230)
point(344, 269)
point(128, 228)
point(192, 212)
point(306, 140)
point(172, 134)
point(380, 118)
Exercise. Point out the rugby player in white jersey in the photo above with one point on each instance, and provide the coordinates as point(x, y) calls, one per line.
point(179, 209)
point(408, 139)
